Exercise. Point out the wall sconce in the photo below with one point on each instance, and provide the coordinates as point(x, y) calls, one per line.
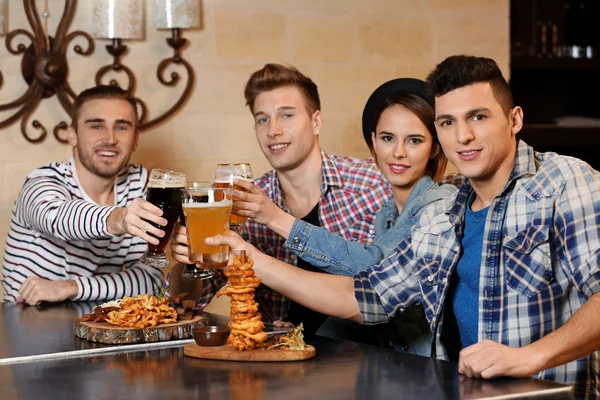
point(3, 24)
point(45, 67)
point(3, 17)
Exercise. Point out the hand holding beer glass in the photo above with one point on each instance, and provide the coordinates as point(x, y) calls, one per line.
point(224, 176)
point(206, 209)
point(164, 191)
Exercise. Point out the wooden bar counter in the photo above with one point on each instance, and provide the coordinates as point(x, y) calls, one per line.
point(341, 370)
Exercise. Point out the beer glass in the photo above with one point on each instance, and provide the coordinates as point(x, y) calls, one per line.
point(164, 191)
point(224, 176)
point(206, 209)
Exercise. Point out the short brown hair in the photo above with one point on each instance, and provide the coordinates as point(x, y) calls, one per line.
point(275, 76)
point(459, 71)
point(101, 92)
point(436, 166)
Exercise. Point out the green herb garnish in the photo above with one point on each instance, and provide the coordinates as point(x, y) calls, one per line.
point(162, 292)
point(293, 340)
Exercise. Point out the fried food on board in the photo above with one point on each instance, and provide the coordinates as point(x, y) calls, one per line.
point(257, 337)
point(229, 290)
point(246, 317)
point(184, 308)
point(243, 306)
point(239, 272)
point(100, 313)
point(246, 322)
point(248, 326)
point(241, 296)
point(143, 312)
point(245, 281)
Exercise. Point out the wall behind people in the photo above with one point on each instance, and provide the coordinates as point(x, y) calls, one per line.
point(348, 47)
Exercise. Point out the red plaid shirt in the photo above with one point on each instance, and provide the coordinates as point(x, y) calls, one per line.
point(352, 191)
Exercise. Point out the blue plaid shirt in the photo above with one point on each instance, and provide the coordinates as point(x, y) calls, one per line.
point(540, 260)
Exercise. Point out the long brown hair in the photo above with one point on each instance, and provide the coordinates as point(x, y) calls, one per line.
point(419, 107)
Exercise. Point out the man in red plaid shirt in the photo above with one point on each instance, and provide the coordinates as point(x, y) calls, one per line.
point(341, 194)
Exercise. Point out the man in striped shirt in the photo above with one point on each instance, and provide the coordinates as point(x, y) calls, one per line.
point(78, 228)
point(507, 269)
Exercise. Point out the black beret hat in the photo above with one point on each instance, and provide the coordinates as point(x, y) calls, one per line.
point(383, 92)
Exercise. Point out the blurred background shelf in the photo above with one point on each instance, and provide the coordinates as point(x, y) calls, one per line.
point(580, 142)
point(555, 64)
point(549, 87)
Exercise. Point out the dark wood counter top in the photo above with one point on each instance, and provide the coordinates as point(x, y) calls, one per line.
point(341, 370)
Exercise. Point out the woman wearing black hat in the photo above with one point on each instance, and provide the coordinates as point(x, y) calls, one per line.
point(398, 126)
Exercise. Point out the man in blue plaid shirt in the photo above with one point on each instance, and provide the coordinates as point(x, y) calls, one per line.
point(507, 269)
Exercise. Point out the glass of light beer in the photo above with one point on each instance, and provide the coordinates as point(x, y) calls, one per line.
point(206, 209)
point(224, 176)
point(164, 191)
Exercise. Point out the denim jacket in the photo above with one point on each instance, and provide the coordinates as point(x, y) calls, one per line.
point(407, 332)
point(335, 255)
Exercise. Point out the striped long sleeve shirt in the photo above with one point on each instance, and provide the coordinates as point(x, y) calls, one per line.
point(58, 233)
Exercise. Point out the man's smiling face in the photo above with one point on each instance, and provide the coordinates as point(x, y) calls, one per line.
point(106, 136)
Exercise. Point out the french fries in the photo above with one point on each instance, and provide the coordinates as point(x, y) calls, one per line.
point(142, 312)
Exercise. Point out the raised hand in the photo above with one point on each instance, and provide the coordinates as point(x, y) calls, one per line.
point(178, 244)
point(136, 219)
point(236, 245)
point(260, 208)
point(254, 203)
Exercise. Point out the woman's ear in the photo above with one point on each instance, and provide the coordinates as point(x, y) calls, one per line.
point(372, 148)
point(374, 155)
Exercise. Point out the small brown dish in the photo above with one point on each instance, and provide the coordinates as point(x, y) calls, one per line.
point(211, 335)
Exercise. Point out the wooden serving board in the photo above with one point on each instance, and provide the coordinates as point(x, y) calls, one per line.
point(103, 332)
point(228, 353)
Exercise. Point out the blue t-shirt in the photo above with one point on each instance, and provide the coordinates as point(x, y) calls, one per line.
point(464, 289)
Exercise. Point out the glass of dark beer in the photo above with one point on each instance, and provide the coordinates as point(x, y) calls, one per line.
point(224, 176)
point(164, 191)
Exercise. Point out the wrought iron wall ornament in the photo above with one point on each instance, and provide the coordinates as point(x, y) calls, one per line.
point(45, 68)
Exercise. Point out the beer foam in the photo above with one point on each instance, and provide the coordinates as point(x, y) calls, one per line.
point(222, 203)
point(237, 178)
point(227, 172)
point(166, 185)
point(166, 179)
